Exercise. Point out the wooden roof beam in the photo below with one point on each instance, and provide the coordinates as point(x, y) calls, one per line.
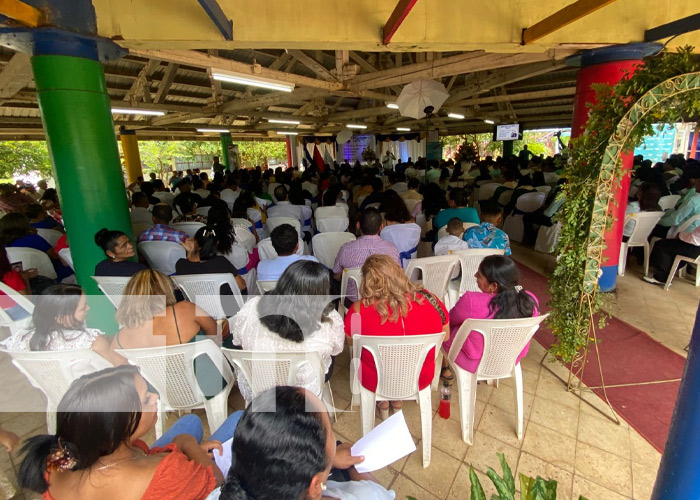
point(16, 74)
point(522, 96)
point(561, 18)
point(166, 82)
point(313, 65)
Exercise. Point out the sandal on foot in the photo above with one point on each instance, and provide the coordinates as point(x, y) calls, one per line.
point(445, 377)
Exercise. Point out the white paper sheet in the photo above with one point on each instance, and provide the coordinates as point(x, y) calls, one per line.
point(385, 444)
point(223, 462)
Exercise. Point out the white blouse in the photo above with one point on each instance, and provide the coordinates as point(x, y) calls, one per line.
point(249, 333)
point(66, 340)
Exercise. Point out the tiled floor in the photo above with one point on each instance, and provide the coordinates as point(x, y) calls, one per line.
point(565, 438)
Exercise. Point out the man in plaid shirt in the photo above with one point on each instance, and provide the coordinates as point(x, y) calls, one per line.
point(162, 215)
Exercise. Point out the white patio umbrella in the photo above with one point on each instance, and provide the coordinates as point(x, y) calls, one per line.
point(343, 136)
point(416, 96)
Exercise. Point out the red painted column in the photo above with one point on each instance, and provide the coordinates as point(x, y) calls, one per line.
point(693, 144)
point(289, 151)
point(607, 65)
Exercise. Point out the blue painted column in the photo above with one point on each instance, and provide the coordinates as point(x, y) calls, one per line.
point(679, 474)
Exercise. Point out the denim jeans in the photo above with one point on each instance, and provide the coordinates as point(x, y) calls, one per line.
point(192, 425)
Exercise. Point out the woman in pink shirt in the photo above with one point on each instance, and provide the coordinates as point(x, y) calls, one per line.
point(501, 297)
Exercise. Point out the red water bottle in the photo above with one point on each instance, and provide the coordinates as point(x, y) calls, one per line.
point(445, 396)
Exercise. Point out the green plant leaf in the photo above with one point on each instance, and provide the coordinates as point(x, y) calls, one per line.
point(501, 486)
point(507, 474)
point(477, 492)
point(526, 483)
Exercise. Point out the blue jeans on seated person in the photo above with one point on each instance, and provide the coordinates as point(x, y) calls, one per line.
point(192, 425)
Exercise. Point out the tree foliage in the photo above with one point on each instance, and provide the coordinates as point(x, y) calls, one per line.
point(571, 316)
point(23, 158)
point(259, 153)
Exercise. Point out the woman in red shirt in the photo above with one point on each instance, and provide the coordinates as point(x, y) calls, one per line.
point(18, 281)
point(390, 305)
point(97, 450)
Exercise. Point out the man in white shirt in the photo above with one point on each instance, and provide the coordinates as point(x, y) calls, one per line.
point(452, 241)
point(285, 241)
point(283, 208)
point(139, 211)
point(665, 251)
point(398, 182)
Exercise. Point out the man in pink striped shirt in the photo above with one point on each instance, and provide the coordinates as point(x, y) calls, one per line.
point(354, 253)
point(665, 252)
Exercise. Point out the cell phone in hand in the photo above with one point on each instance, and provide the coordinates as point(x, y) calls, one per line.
point(17, 266)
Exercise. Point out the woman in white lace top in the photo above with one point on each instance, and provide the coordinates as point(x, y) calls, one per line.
point(58, 324)
point(296, 316)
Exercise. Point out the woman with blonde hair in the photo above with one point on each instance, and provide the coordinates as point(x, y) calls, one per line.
point(390, 305)
point(150, 316)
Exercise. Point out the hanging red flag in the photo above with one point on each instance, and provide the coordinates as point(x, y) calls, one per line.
point(318, 159)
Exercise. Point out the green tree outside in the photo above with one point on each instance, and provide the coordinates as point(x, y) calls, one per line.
point(19, 158)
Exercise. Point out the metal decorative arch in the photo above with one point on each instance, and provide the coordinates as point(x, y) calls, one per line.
point(607, 183)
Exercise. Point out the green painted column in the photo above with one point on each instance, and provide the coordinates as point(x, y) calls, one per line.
point(225, 141)
point(76, 113)
point(507, 149)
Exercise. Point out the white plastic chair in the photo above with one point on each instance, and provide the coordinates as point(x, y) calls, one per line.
point(354, 274)
point(528, 202)
point(681, 228)
point(682, 272)
point(273, 222)
point(267, 252)
point(398, 361)
point(644, 225)
point(113, 287)
point(266, 286)
point(442, 232)
point(405, 237)
point(171, 371)
point(544, 189)
point(669, 201)
point(204, 290)
point(189, 228)
point(21, 300)
point(162, 255)
point(50, 235)
point(229, 197)
point(65, 255)
point(332, 224)
point(245, 223)
point(32, 258)
point(203, 211)
point(486, 191)
point(330, 211)
point(411, 204)
point(504, 340)
point(327, 245)
point(264, 370)
point(436, 273)
point(547, 238)
point(52, 372)
point(244, 237)
point(469, 261)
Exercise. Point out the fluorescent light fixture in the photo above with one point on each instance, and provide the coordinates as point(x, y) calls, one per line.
point(254, 82)
point(456, 115)
point(286, 122)
point(350, 125)
point(284, 132)
point(403, 129)
point(392, 105)
point(135, 111)
point(214, 130)
point(490, 122)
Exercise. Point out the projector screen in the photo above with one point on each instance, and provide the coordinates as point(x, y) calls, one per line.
point(509, 132)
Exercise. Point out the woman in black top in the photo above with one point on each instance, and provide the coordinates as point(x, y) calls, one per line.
point(202, 258)
point(118, 248)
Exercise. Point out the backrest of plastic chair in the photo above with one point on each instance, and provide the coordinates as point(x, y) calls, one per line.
point(354, 274)
point(644, 225)
point(332, 224)
point(32, 258)
point(273, 222)
point(165, 197)
point(64, 253)
point(486, 190)
point(332, 211)
point(52, 372)
point(398, 360)
point(266, 286)
point(405, 237)
point(504, 197)
point(271, 190)
point(681, 228)
point(113, 287)
point(469, 261)
point(266, 251)
point(327, 245)
point(264, 370)
point(544, 189)
point(162, 255)
point(242, 223)
point(504, 340)
point(204, 290)
point(411, 204)
point(244, 237)
point(529, 202)
point(170, 370)
point(203, 211)
point(189, 228)
point(669, 201)
point(21, 300)
point(50, 235)
point(436, 272)
point(229, 196)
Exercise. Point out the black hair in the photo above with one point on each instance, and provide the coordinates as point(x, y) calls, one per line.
point(293, 309)
point(5, 264)
point(99, 412)
point(33, 211)
point(490, 207)
point(57, 302)
point(394, 208)
point(649, 194)
point(413, 183)
point(284, 239)
point(107, 240)
point(280, 192)
point(278, 451)
point(508, 302)
point(158, 184)
point(433, 200)
point(377, 184)
point(163, 212)
point(455, 224)
point(185, 203)
point(12, 227)
point(219, 219)
point(197, 183)
point(370, 221)
point(206, 241)
point(460, 196)
point(51, 195)
point(330, 197)
point(136, 197)
point(147, 188)
point(538, 179)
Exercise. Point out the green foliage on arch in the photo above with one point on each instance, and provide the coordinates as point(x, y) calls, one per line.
point(665, 89)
